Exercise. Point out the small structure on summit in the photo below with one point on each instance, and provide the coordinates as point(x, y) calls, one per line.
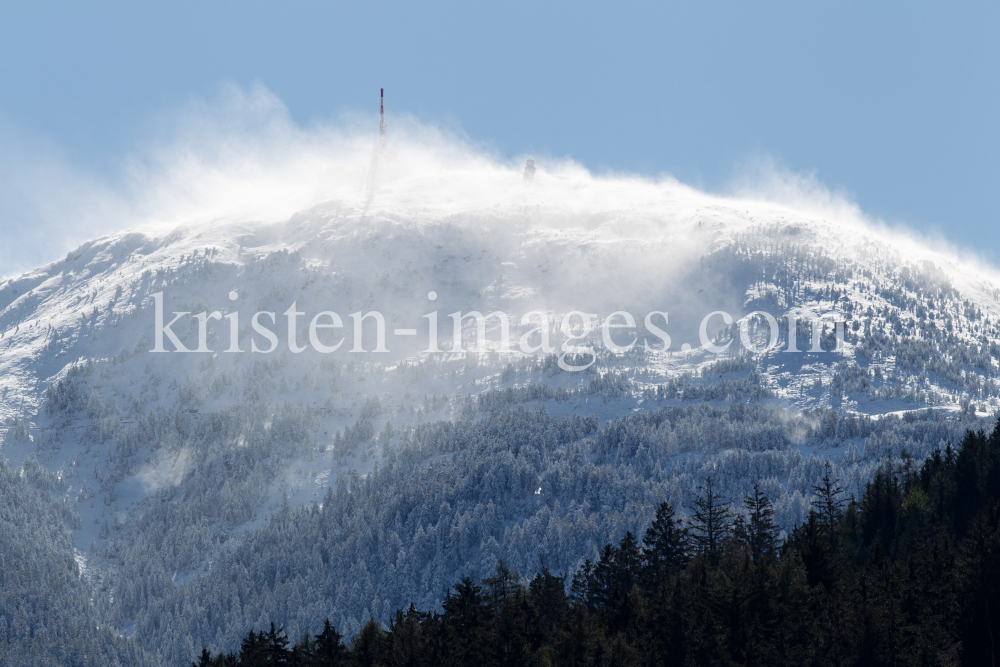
point(529, 170)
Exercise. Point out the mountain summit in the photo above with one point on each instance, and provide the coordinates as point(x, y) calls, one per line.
point(242, 421)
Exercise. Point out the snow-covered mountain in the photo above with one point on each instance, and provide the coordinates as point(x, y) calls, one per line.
point(214, 491)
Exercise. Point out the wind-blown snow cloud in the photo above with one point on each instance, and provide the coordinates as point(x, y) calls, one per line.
point(242, 158)
point(763, 180)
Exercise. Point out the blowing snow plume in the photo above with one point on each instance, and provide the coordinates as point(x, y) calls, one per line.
point(564, 263)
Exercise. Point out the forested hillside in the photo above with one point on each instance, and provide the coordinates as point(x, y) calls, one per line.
point(244, 482)
point(906, 574)
point(47, 614)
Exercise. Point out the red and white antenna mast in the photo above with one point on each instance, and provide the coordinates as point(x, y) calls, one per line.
point(381, 118)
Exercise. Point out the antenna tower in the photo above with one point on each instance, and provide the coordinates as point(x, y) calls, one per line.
point(381, 118)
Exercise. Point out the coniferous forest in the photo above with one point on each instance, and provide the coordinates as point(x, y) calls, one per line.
point(908, 574)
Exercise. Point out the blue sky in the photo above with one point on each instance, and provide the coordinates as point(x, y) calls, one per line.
point(895, 104)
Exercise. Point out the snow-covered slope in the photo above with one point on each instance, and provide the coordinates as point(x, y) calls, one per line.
point(214, 491)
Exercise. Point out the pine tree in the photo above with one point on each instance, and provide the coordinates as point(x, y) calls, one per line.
point(711, 522)
point(330, 650)
point(304, 651)
point(466, 616)
point(664, 548)
point(581, 641)
point(501, 584)
point(980, 572)
point(277, 646)
point(582, 587)
point(759, 532)
point(628, 563)
point(881, 511)
point(205, 660)
point(547, 593)
point(830, 504)
point(254, 650)
point(626, 572)
point(369, 646)
point(406, 645)
point(602, 582)
point(517, 631)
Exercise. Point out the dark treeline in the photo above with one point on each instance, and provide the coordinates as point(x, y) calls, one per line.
point(907, 575)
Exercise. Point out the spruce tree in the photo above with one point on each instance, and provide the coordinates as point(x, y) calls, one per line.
point(711, 522)
point(330, 650)
point(466, 617)
point(759, 532)
point(254, 650)
point(628, 563)
point(626, 577)
point(602, 582)
point(277, 646)
point(829, 504)
point(664, 548)
point(548, 593)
